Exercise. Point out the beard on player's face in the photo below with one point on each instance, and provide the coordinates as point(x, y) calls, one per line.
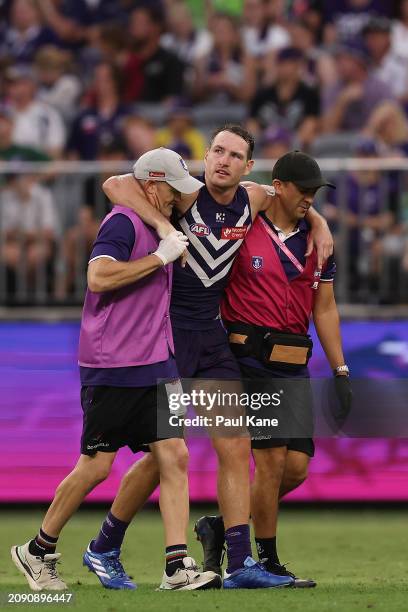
point(224, 175)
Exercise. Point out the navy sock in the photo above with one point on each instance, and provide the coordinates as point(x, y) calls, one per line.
point(238, 546)
point(174, 558)
point(42, 544)
point(266, 548)
point(110, 535)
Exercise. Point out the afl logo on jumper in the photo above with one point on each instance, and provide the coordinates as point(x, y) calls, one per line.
point(257, 262)
point(199, 229)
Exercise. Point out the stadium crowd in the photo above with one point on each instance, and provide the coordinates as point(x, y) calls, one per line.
point(107, 80)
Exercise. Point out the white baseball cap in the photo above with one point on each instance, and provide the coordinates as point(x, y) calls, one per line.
point(166, 165)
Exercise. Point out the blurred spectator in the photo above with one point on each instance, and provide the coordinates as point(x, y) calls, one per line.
point(10, 151)
point(77, 21)
point(388, 124)
point(289, 102)
point(368, 210)
point(400, 31)
point(101, 121)
point(161, 71)
point(36, 124)
point(386, 64)
point(260, 34)
point(182, 37)
point(29, 227)
point(310, 12)
point(227, 71)
point(349, 103)
point(139, 134)
point(319, 65)
point(25, 34)
point(112, 46)
point(180, 134)
point(57, 85)
point(275, 142)
point(111, 43)
point(345, 19)
point(78, 240)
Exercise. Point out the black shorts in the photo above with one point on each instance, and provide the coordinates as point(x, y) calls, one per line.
point(121, 416)
point(299, 400)
point(302, 445)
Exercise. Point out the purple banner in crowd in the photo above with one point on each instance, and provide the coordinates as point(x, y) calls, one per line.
point(41, 417)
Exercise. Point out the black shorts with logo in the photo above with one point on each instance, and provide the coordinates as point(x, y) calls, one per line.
point(299, 400)
point(121, 416)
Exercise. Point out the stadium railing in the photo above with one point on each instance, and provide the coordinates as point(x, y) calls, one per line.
point(369, 222)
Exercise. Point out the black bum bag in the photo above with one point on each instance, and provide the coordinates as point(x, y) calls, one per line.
point(273, 348)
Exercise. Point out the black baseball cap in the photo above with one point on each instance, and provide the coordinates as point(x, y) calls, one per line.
point(301, 169)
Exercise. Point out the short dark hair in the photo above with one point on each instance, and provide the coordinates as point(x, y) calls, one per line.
point(240, 131)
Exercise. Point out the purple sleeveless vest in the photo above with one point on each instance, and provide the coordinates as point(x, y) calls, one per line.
point(129, 326)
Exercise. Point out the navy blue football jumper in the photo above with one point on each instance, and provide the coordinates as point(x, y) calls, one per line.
point(215, 233)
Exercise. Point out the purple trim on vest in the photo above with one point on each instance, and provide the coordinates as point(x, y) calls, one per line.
point(136, 376)
point(129, 326)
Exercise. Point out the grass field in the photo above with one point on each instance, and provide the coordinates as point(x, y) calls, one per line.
point(358, 558)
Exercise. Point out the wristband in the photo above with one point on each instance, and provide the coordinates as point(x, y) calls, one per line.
point(340, 370)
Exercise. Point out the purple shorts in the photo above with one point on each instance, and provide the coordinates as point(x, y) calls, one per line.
point(205, 354)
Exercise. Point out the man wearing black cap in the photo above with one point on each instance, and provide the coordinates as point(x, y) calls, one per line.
point(272, 291)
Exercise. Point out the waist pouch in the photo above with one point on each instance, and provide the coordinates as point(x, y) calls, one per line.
point(273, 348)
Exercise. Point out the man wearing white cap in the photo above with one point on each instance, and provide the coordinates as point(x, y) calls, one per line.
point(126, 344)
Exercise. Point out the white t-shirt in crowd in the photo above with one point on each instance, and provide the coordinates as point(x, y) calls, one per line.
point(36, 213)
point(39, 126)
point(276, 37)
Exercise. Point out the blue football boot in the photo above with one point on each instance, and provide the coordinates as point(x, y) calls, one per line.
point(281, 570)
point(108, 568)
point(254, 576)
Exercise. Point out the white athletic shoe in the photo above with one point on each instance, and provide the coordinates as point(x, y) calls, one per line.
point(41, 573)
point(189, 578)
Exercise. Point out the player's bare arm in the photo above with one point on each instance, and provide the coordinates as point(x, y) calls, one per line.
point(327, 323)
point(125, 190)
point(320, 237)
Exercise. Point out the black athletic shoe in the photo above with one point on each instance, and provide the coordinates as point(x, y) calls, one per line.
point(210, 532)
point(280, 570)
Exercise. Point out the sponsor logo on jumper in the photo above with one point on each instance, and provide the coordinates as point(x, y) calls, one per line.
point(154, 174)
point(199, 229)
point(257, 262)
point(233, 233)
point(220, 217)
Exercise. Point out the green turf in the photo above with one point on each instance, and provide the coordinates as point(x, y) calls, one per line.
point(358, 559)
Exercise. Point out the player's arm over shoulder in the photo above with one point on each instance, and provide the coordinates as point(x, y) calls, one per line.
point(125, 189)
point(259, 196)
